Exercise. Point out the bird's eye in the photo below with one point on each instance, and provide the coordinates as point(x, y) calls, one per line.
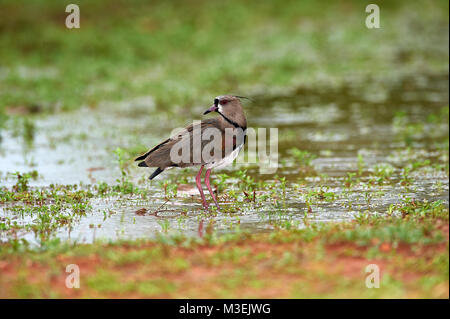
point(223, 102)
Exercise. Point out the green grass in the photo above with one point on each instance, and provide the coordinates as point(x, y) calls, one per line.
point(411, 249)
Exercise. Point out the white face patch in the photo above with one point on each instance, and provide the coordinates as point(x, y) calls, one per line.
point(219, 107)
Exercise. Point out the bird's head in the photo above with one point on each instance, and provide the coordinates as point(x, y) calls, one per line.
point(229, 107)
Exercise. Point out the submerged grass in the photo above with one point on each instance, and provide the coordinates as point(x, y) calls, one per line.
point(280, 203)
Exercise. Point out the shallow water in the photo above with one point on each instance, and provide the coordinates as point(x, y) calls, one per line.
point(371, 119)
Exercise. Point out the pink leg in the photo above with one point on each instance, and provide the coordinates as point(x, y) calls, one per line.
point(208, 173)
point(200, 229)
point(199, 186)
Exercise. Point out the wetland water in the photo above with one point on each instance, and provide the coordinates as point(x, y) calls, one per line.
point(343, 151)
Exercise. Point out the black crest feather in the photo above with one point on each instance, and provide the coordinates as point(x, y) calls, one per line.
point(242, 97)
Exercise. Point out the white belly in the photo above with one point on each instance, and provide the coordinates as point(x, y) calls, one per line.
point(226, 160)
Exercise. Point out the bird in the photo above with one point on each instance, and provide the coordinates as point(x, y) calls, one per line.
point(218, 140)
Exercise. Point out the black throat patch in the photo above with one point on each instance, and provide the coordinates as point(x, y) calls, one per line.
point(232, 122)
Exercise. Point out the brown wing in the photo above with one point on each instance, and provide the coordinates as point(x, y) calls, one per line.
point(159, 156)
point(143, 156)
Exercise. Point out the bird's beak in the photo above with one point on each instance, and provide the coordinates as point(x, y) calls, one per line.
point(211, 109)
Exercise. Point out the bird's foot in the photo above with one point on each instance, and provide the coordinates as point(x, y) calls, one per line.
point(205, 205)
point(217, 205)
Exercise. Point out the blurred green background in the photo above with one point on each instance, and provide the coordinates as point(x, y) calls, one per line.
point(182, 52)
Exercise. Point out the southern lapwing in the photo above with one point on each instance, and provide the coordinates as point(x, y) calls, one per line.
point(211, 143)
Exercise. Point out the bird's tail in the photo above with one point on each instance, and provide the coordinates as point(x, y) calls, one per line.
point(156, 173)
point(142, 164)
